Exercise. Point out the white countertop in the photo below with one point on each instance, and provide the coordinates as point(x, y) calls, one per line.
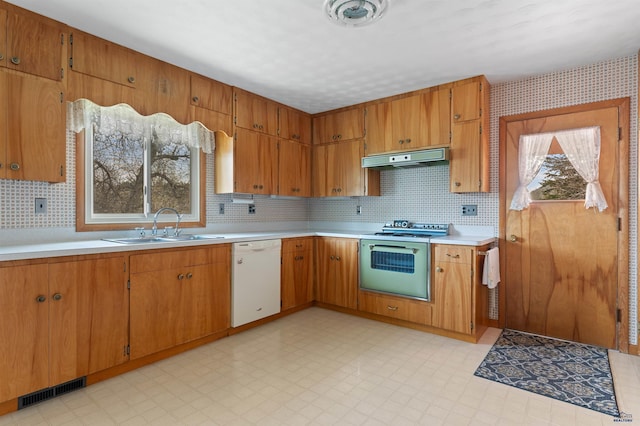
point(73, 248)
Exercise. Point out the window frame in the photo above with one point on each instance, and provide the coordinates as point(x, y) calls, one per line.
point(83, 188)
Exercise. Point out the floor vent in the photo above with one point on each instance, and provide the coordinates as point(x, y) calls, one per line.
point(44, 394)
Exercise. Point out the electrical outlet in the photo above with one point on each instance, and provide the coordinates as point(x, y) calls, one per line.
point(41, 205)
point(358, 210)
point(469, 210)
point(221, 208)
point(252, 209)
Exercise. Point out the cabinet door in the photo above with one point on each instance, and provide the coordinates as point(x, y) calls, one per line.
point(339, 126)
point(294, 125)
point(256, 113)
point(294, 168)
point(103, 59)
point(36, 136)
point(408, 114)
point(452, 285)
point(210, 94)
point(465, 157)
point(438, 117)
point(156, 311)
point(35, 45)
point(325, 291)
point(378, 128)
point(466, 101)
point(319, 177)
point(297, 272)
point(255, 162)
point(101, 92)
point(3, 38)
point(213, 120)
point(4, 111)
point(346, 272)
point(163, 87)
point(89, 311)
point(344, 171)
point(24, 330)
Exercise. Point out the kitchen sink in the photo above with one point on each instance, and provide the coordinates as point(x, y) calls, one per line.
point(163, 239)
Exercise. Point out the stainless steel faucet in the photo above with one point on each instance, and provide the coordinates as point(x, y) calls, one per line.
point(154, 229)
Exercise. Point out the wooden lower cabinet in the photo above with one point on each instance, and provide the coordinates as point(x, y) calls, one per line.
point(59, 320)
point(337, 271)
point(178, 296)
point(401, 308)
point(454, 282)
point(296, 272)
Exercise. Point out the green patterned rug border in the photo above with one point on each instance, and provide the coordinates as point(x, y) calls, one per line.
point(567, 371)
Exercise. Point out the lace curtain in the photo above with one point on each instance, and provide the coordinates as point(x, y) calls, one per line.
point(123, 118)
point(582, 148)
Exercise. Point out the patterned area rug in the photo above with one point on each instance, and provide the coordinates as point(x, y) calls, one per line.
point(571, 372)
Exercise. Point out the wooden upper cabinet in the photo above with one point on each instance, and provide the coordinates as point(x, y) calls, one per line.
point(466, 101)
point(34, 44)
point(101, 58)
point(164, 88)
point(210, 94)
point(34, 135)
point(338, 126)
point(294, 168)
point(3, 38)
point(294, 125)
point(408, 123)
point(255, 113)
point(438, 115)
point(213, 120)
point(378, 126)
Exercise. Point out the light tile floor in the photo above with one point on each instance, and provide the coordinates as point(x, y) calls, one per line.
point(321, 367)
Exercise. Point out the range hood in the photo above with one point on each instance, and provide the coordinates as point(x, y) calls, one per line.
point(421, 158)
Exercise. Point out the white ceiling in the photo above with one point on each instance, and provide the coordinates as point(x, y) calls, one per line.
point(288, 51)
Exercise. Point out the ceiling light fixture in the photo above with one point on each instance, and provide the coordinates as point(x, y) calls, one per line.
point(355, 13)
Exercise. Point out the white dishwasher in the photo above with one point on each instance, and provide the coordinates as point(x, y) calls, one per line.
point(255, 275)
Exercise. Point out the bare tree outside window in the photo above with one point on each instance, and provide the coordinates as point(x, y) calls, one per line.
point(557, 180)
point(119, 170)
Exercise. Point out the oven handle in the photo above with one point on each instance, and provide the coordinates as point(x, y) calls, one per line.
point(395, 249)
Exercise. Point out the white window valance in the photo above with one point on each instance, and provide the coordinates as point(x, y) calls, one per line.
point(123, 118)
point(582, 148)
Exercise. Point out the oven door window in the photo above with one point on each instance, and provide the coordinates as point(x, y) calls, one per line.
point(398, 268)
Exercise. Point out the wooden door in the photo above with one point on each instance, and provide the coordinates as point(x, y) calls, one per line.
point(35, 45)
point(325, 277)
point(561, 261)
point(319, 176)
point(465, 166)
point(4, 111)
point(344, 173)
point(339, 126)
point(294, 125)
point(438, 117)
point(211, 95)
point(378, 128)
point(466, 102)
point(24, 330)
point(294, 166)
point(163, 88)
point(256, 113)
point(3, 38)
point(89, 307)
point(297, 272)
point(214, 120)
point(452, 286)
point(36, 138)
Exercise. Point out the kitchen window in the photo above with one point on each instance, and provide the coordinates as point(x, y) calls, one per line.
point(130, 166)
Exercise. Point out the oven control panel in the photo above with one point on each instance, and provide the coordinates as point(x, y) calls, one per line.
point(398, 223)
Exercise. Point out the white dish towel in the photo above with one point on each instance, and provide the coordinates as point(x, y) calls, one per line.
point(491, 270)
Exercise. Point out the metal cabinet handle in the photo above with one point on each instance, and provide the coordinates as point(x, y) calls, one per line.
point(40, 298)
point(407, 141)
point(455, 256)
point(438, 269)
point(131, 79)
point(457, 184)
point(14, 166)
point(337, 257)
point(456, 116)
point(332, 257)
point(189, 275)
point(57, 296)
point(513, 238)
point(15, 60)
point(180, 277)
point(1, 57)
point(392, 308)
point(195, 99)
point(401, 141)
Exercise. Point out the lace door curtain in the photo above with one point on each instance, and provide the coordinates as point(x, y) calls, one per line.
point(122, 118)
point(582, 148)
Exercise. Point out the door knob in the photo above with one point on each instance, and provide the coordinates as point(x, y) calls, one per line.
point(513, 238)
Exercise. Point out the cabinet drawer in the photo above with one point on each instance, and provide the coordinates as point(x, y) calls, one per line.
point(395, 307)
point(154, 261)
point(456, 254)
point(297, 244)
